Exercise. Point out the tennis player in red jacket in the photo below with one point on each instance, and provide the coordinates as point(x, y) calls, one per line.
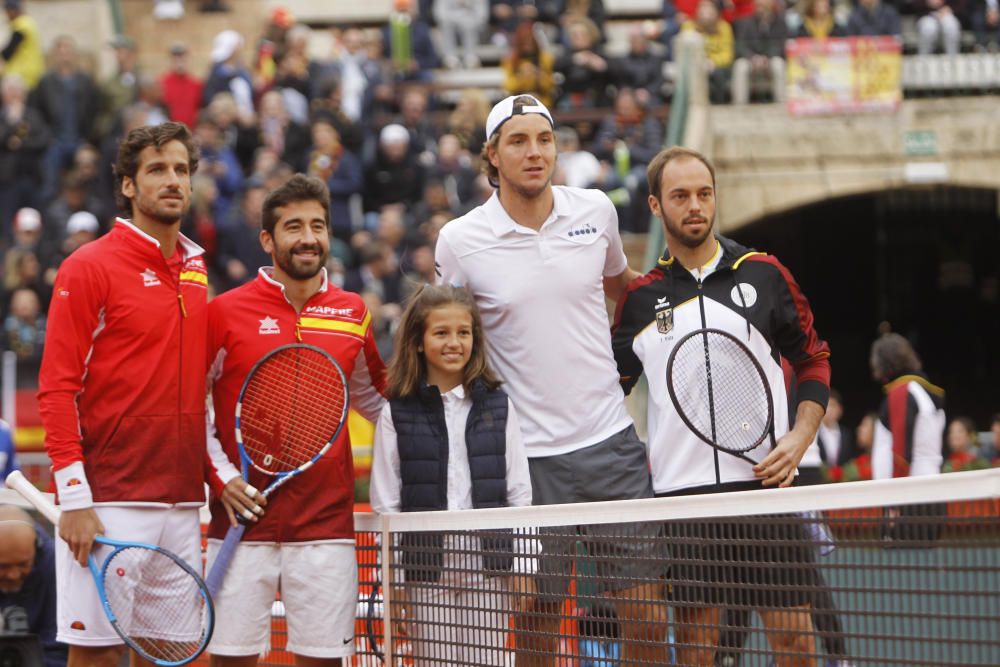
point(121, 383)
point(304, 541)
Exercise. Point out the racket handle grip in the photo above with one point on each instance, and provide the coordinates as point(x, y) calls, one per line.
point(222, 559)
point(17, 481)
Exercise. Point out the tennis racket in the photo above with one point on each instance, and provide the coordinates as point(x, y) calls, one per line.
point(291, 409)
point(720, 392)
point(154, 600)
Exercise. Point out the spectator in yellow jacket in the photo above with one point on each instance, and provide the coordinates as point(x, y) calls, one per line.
point(528, 67)
point(719, 48)
point(23, 53)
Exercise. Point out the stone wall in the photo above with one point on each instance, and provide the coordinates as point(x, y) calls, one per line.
point(768, 161)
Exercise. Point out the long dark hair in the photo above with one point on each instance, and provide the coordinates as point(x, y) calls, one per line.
point(407, 370)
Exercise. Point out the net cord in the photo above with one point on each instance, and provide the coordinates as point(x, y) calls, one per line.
point(957, 486)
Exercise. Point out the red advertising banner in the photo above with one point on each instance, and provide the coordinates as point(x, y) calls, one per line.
point(843, 75)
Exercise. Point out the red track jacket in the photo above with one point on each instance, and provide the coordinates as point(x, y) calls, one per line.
point(122, 377)
point(246, 323)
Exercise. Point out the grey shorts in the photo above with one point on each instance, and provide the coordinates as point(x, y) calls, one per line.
point(609, 557)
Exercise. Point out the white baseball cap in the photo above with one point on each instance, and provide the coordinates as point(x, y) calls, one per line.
point(394, 133)
point(27, 220)
point(506, 108)
point(81, 221)
point(225, 44)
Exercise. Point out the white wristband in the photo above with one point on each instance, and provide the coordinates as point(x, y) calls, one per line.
point(72, 487)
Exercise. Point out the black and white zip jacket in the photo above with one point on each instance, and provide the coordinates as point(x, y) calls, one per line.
point(752, 296)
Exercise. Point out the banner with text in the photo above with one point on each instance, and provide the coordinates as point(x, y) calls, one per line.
point(844, 75)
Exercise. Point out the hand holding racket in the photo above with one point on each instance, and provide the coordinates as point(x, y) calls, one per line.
point(720, 392)
point(291, 409)
point(154, 600)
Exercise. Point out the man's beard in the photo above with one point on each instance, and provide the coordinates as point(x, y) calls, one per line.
point(687, 238)
point(286, 262)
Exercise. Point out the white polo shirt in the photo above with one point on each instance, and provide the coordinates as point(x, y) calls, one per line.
point(541, 295)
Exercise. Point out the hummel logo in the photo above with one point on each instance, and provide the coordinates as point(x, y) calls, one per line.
point(149, 278)
point(269, 325)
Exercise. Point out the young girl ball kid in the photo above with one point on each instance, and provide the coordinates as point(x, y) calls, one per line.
point(448, 439)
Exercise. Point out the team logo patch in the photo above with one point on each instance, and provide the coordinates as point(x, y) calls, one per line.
point(78, 625)
point(73, 481)
point(149, 278)
point(268, 326)
point(664, 316)
point(749, 295)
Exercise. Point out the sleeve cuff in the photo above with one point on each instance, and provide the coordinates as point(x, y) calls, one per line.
point(815, 391)
point(72, 487)
point(226, 473)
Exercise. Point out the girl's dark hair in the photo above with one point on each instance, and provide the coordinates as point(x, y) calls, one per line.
point(138, 140)
point(407, 370)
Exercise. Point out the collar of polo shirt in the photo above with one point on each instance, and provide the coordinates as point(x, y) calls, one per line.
point(502, 223)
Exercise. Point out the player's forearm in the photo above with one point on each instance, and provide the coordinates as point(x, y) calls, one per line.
point(614, 286)
point(808, 415)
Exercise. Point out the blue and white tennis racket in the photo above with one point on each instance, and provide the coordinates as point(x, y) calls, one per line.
point(154, 600)
point(291, 409)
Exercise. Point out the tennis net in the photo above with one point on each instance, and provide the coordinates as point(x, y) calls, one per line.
point(895, 572)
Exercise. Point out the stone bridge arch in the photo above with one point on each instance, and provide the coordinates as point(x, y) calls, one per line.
point(768, 162)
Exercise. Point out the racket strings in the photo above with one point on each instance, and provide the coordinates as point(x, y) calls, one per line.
point(291, 407)
point(158, 604)
point(715, 380)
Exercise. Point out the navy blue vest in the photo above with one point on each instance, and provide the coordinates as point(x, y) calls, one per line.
point(422, 440)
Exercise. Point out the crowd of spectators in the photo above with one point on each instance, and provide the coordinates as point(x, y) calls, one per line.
point(849, 459)
point(400, 159)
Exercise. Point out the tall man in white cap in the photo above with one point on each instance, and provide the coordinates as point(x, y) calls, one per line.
point(228, 75)
point(536, 257)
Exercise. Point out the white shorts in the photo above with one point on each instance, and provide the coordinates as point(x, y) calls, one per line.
point(79, 614)
point(319, 589)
